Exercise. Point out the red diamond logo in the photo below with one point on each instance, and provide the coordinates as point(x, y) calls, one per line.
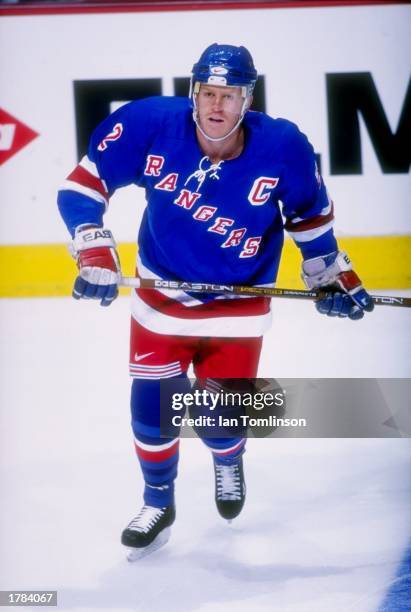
point(14, 135)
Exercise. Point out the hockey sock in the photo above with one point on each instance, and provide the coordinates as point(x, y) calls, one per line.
point(158, 455)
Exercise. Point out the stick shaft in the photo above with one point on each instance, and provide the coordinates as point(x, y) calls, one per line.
point(151, 283)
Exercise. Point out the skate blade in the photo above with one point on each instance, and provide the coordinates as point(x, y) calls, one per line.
point(135, 554)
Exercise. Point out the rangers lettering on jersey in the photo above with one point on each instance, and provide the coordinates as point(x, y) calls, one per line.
point(168, 183)
point(204, 213)
point(251, 247)
point(235, 237)
point(187, 199)
point(220, 224)
point(153, 165)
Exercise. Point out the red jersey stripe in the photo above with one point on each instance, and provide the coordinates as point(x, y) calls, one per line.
point(312, 223)
point(86, 179)
point(217, 308)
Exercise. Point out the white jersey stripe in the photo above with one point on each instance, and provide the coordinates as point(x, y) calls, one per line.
point(91, 167)
point(91, 193)
point(311, 234)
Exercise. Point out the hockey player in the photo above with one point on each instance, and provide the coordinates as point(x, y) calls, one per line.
point(218, 180)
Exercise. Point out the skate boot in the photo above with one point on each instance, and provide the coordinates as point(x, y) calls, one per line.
point(229, 488)
point(148, 531)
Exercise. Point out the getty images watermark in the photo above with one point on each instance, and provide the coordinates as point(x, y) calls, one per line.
point(306, 408)
point(225, 399)
point(226, 407)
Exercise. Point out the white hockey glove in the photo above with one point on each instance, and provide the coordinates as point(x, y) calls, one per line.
point(344, 294)
point(94, 249)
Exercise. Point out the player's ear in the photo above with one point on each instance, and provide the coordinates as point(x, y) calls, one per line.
point(249, 103)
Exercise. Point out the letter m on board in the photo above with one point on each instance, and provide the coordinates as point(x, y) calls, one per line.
point(350, 95)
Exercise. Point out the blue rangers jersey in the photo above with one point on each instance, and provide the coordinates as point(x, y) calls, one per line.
point(204, 222)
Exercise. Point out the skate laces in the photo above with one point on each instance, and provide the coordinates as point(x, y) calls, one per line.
point(146, 519)
point(228, 482)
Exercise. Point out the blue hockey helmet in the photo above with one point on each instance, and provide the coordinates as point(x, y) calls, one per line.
point(226, 65)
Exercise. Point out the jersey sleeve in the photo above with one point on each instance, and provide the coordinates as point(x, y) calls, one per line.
point(306, 206)
point(115, 154)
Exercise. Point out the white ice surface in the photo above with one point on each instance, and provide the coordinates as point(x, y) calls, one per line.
point(326, 520)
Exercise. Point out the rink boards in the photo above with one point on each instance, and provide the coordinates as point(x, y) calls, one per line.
point(65, 71)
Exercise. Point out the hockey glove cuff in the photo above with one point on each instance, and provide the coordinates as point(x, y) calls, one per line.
point(94, 249)
point(344, 295)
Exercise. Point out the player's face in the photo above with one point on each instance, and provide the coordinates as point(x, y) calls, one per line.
point(218, 109)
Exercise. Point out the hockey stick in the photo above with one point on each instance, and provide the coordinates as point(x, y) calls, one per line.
point(153, 283)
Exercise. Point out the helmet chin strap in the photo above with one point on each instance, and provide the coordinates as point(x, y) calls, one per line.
point(210, 138)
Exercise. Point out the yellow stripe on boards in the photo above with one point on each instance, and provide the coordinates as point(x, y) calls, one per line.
point(41, 270)
point(47, 270)
point(382, 262)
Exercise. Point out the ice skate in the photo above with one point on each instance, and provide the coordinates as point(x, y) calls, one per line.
point(148, 531)
point(229, 488)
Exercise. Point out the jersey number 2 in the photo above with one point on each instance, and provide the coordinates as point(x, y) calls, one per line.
point(113, 135)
